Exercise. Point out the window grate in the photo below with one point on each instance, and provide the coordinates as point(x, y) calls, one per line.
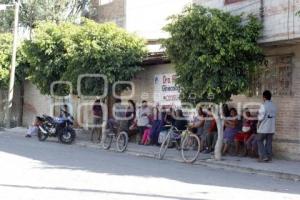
point(275, 76)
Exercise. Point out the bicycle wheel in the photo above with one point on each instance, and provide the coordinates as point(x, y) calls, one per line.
point(190, 148)
point(122, 141)
point(107, 140)
point(164, 146)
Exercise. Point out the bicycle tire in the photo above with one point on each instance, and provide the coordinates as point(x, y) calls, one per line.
point(164, 146)
point(122, 141)
point(190, 148)
point(107, 141)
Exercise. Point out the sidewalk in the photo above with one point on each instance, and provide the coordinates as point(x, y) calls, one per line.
point(281, 169)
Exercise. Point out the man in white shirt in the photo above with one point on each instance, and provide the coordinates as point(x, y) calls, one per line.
point(266, 127)
point(142, 119)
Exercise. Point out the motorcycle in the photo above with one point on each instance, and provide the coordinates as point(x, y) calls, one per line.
point(60, 127)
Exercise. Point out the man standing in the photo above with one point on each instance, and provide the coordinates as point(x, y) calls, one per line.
point(142, 118)
point(97, 117)
point(266, 127)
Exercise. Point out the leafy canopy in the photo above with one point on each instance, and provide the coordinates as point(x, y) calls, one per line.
point(5, 58)
point(63, 52)
point(33, 11)
point(22, 67)
point(214, 52)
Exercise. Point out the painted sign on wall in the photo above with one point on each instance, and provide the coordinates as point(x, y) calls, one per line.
point(165, 90)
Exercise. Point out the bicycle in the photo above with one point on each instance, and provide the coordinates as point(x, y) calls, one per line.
point(187, 142)
point(114, 134)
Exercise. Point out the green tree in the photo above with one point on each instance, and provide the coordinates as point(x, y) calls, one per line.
point(33, 11)
point(65, 51)
point(104, 49)
point(5, 63)
point(5, 59)
point(6, 18)
point(47, 53)
point(214, 53)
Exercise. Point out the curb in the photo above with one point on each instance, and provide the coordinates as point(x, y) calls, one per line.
point(209, 163)
point(227, 166)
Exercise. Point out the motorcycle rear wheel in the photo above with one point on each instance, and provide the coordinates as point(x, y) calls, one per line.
point(42, 136)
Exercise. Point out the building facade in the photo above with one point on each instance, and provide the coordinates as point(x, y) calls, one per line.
point(280, 41)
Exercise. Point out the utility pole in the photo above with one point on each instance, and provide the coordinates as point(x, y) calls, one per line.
point(13, 64)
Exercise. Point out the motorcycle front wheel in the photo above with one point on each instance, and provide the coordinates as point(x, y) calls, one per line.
point(67, 136)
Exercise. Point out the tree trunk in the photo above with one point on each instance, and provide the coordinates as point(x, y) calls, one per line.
point(219, 144)
point(22, 90)
point(110, 102)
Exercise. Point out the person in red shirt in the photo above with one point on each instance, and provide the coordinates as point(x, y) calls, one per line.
point(246, 132)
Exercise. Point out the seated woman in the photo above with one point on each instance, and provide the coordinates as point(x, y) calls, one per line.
point(211, 133)
point(251, 146)
point(246, 132)
point(198, 122)
point(180, 121)
point(231, 129)
point(199, 127)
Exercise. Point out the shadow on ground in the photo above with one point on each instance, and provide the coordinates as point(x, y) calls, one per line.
point(58, 156)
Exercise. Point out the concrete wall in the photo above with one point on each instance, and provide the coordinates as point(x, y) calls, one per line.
point(280, 22)
point(144, 82)
point(15, 107)
point(143, 17)
point(147, 18)
point(34, 103)
point(111, 11)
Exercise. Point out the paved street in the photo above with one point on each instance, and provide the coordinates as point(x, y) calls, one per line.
point(31, 170)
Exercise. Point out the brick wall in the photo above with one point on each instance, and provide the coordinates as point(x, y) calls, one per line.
point(287, 140)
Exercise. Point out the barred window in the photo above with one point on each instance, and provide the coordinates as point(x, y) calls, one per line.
point(275, 76)
point(231, 1)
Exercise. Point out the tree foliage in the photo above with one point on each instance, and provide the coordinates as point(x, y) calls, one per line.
point(214, 52)
point(65, 51)
point(33, 11)
point(57, 11)
point(5, 58)
point(6, 18)
point(22, 68)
